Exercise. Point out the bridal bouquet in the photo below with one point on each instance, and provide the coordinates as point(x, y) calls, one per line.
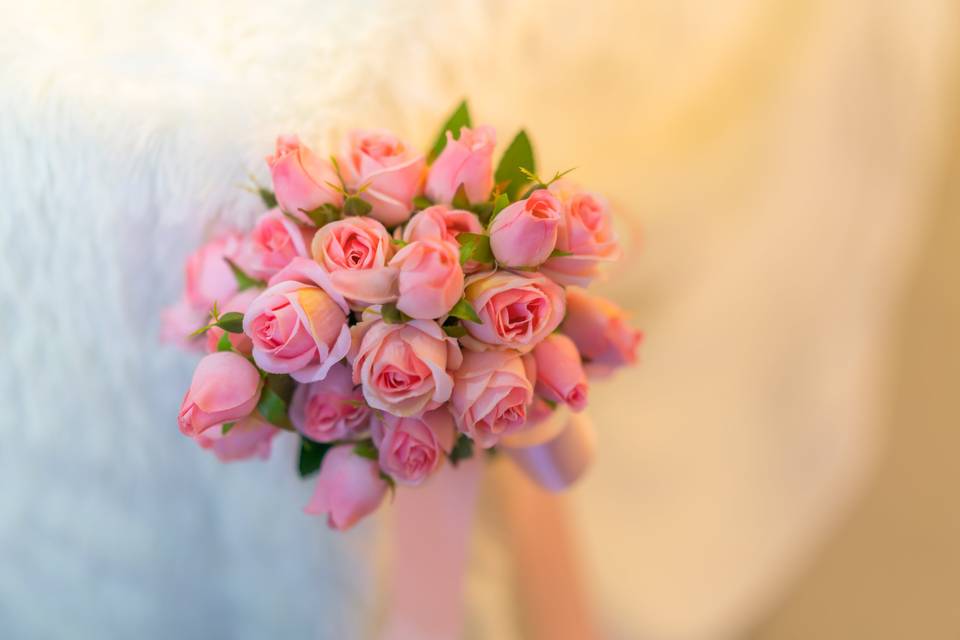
point(397, 310)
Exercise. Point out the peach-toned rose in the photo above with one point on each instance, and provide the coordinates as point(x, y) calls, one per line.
point(411, 449)
point(586, 231)
point(355, 252)
point(516, 310)
point(404, 368)
point(467, 160)
point(348, 488)
point(301, 180)
point(560, 376)
point(525, 232)
point(392, 175)
point(225, 388)
point(442, 223)
point(299, 324)
point(274, 241)
point(331, 409)
point(240, 341)
point(600, 329)
point(249, 437)
point(209, 278)
point(490, 395)
point(429, 278)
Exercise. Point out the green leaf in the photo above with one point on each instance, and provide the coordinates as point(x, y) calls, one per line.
point(483, 210)
point(224, 344)
point(422, 202)
point(365, 449)
point(474, 246)
point(269, 197)
point(499, 204)
point(273, 408)
point(458, 119)
point(460, 199)
point(455, 330)
point(356, 206)
point(392, 315)
point(244, 281)
point(519, 155)
point(231, 321)
point(397, 242)
point(462, 449)
point(557, 253)
point(465, 311)
point(225, 429)
point(311, 456)
point(325, 213)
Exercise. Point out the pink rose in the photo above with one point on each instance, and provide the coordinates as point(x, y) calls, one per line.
point(179, 321)
point(600, 329)
point(429, 280)
point(517, 310)
point(413, 448)
point(525, 232)
point(299, 324)
point(586, 231)
point(274, 241)
point(560, 376)
point(332, 409)
point(301, 180)
point(442, 223)
point(355, 252)
point(247, 438)
point(392, 175)
point(467, 161)
point(404, 368)
point(209, 278)
point(225, 388)
point(490, 395)
point(348, 488)
point(240, 341)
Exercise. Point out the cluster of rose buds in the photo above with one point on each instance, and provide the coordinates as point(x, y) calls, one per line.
point(395, 308)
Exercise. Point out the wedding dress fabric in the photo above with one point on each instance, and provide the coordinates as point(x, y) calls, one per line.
point(768, 160)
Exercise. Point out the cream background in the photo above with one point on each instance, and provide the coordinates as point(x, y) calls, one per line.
point(771, 160)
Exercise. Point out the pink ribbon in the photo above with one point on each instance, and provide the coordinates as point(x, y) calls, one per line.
point(433, 525)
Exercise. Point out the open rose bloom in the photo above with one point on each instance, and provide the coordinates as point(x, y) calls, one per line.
point(394, 308)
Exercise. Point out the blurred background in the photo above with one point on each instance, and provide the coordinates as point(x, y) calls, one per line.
point(786, 175)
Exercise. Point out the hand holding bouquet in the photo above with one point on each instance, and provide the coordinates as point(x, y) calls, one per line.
point(397, 310)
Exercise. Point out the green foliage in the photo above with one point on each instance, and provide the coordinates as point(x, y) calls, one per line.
point(224, 344)
point(458, 119)
point(225, 429)
point(274, 399)
point(462, 449)
point(232, 322)
point(421, 202)
point(557, 253)
point(392, 315)
point(269, 197)
point(465, 311)
point(322, 215)
point(366, 449)
point(311, 456)
point(460, 199)
point(244, 281)
point(455, 330)
point(356, 206)
point(476, 247)
point(518, 156)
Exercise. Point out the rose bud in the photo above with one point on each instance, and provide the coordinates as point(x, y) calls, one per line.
point(440, 222)
point(404, 368)
point(413, 448)
point(355, 252)
point(301, 180)
point(209, 278)
point(239, 341)
point(391, 175)
point(247, 438)
point(525, 232)
point(490, 395)
point(516, 310)
point(274, 241)
point(429, 280)
point(600, 329)
point(331, 409)
point(225, 388)
point(467, 161)
point(560, 376)
point(586, 232)
point(348, 488)
point(298, 328)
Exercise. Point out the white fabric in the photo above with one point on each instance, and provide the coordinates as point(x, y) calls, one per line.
point(774, 151)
